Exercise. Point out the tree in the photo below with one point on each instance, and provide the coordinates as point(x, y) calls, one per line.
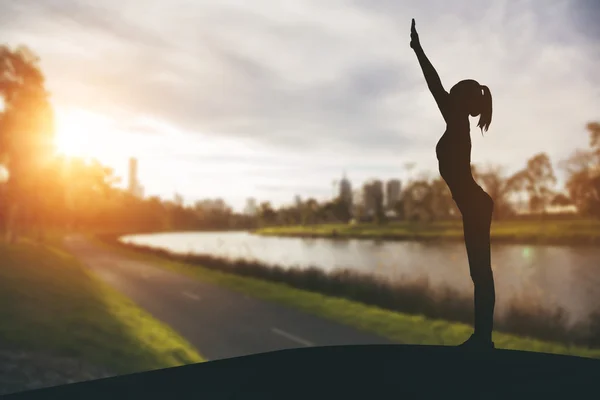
point(561, 200)
point(373, 198)
point(537, 179)
point(26, 125)
point(584, 189)
point(583, 170)
point(400, 209)
point(499, 187)
point(213, 213)
point(336, 210)
point(594, 131)
point(418, 200)
point(88, 188)
point(440, 198)
point(342, 207)
point(309, 211)
point(379, 207)
point(266, 212)
point(342, 210)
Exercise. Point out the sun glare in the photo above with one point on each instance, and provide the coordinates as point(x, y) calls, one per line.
point(80, 134)
point(72, 130)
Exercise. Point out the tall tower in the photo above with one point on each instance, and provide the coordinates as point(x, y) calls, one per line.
point(251, 207)
point(346, 191)
point(373, 194)
point(133, 180)
point(392, 193)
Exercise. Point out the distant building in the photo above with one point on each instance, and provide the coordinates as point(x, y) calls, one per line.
point(251, 207)
point(372, 194)
point(392, 193)
point(133, 182)
point(357, 197)
point(346, 191)
point(134, 186)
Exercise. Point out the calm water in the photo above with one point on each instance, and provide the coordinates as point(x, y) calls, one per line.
point(551, 276)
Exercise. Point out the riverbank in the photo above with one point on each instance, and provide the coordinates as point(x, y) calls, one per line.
point(56, 314)
point(407, 312)
point(561, 232)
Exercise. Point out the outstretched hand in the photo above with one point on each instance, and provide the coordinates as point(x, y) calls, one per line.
point(414, 36)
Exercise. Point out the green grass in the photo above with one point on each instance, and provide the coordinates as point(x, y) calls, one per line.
point(543, 231)
point(397, 326)
point(50, 303)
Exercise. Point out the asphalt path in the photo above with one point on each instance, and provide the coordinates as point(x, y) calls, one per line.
point(219, 322)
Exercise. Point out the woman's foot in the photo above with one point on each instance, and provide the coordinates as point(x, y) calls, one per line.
point(477, 343)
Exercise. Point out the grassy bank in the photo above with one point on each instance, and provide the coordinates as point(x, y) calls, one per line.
point(578, 231)
point(52, 304)
point(394, 324)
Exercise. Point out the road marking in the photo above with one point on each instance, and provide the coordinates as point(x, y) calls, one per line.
point(191, 296)
point(292, 337)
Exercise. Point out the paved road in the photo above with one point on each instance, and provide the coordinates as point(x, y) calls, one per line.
point(221, 323)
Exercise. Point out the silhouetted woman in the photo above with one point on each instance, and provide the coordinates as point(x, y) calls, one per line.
point(454, 155)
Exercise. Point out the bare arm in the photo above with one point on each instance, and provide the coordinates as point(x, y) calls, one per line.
point(432, 78)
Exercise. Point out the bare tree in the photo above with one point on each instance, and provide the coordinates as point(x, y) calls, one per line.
point(583, 169)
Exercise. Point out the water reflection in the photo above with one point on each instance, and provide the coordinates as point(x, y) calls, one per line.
point(551, 276)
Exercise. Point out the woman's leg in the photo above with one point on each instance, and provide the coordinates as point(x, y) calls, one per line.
point(477, 222)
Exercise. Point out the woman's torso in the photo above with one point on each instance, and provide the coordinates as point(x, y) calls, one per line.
point(453, 152)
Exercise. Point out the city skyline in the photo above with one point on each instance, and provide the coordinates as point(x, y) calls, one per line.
point(271, 100)
point(390, 189)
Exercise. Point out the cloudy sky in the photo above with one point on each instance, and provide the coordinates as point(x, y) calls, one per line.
point(272, 98)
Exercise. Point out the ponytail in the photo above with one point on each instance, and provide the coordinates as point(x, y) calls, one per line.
point(485, 118)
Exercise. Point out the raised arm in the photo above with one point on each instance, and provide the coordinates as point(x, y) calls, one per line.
point(431, 76)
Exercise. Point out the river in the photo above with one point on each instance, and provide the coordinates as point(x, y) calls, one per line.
point(553, 277)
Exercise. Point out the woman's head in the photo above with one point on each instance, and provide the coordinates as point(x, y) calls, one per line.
point(474, 99)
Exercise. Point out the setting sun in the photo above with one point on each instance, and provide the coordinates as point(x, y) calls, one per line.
point(80, 134)
point(74, 129)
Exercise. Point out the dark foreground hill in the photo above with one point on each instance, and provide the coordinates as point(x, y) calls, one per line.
point(354, 372)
